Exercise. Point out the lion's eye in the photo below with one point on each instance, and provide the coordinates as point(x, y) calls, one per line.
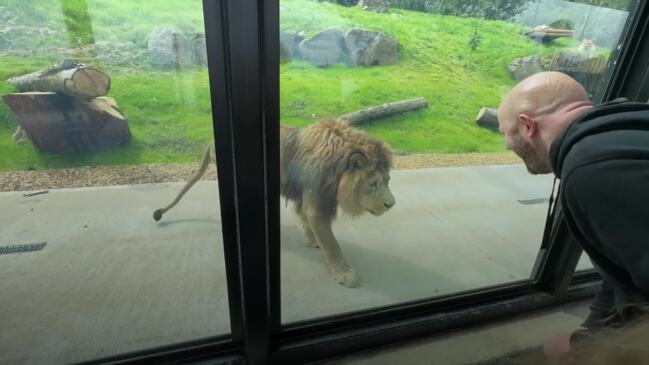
point(374, 185)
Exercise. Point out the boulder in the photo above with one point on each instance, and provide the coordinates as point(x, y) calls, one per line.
point(7, 16)
point(290, 44)
point(323, 49)
point(523, 67)
point(200, 49)
point(377, 6)
point(369, 48)
point(168, 47)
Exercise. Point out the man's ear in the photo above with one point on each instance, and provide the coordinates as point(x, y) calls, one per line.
point(529, 124)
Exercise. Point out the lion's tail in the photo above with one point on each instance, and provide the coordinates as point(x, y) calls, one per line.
point(157, 215)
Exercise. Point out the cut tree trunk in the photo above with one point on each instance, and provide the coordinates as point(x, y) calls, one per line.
point(488, 118)
point(20, 135)
point(64, 125)
point(68, 78)
point(384, 110)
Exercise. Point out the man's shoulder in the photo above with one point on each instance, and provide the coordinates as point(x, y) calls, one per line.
point(620, 145)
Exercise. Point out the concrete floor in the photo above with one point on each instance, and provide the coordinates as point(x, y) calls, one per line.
point(111, 280)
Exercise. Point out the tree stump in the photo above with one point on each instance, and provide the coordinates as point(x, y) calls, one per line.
point(61, 124)
point(488, 118)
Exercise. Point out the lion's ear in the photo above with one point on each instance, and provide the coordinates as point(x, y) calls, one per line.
point(356, 161)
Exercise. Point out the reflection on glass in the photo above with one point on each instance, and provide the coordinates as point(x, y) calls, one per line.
point(467, 213)
point(105, 114)
point(584, 263)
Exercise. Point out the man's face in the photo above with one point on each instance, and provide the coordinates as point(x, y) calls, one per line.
point(535, 157)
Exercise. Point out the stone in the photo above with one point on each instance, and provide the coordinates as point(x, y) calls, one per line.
point(7, 16)
point(369, 48)
point(323, 49)
point(168, 47)
point(290, 44)
point(523, 67)
point(377, 6)
point(200, 49)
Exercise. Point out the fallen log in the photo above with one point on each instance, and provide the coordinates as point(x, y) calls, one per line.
point(67, 78)
point(384, 110)
point(61, 124)
point(488, 118)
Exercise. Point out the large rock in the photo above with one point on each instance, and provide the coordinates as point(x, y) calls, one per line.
point(378, 6)
point(523, 67)
point(368, 48)
point(324, 49)
point(290, 44)
point(7, 16)
point(168, 47)
point(200, 49)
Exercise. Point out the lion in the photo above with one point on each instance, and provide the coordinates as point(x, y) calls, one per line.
point(323, 167)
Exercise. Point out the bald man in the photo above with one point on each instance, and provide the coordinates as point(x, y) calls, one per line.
point(601, 156)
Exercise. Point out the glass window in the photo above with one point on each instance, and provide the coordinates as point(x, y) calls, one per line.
point(460, 212)
point(584, 263)
point(106, 113)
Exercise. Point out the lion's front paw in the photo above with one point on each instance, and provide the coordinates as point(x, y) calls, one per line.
point(346, 277)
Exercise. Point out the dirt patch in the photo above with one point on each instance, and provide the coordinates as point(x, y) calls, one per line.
point(423, 161)
point(158, 173)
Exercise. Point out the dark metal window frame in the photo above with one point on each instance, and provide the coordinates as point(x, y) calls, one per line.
point(243, 52)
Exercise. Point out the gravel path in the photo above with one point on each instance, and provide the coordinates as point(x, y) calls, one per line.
point(157, 173)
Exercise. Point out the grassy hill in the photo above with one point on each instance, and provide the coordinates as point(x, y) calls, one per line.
point(169, 112)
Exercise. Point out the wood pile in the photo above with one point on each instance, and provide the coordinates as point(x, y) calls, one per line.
point(63, 110)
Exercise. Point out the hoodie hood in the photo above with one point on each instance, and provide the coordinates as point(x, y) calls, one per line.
point(618, 114)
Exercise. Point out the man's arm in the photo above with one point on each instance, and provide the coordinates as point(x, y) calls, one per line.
point(609, 203)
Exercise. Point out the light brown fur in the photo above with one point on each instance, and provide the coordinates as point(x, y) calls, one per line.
point(325, 166)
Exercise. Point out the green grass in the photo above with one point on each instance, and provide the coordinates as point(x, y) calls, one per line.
point(436, 63)
point(169, 112)
point(169, 116)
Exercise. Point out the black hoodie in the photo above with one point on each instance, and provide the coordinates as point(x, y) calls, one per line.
point(602, 160)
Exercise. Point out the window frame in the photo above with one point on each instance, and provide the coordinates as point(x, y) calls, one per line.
point(243, 58)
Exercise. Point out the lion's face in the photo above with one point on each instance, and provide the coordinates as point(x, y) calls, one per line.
point(364, 188)
point(374, 194)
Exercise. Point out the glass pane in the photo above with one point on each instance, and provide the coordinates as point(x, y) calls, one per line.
point(467, 214)
point(584, 263)
point(86, 271)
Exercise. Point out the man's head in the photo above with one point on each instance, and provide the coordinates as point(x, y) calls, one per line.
point(536, 111)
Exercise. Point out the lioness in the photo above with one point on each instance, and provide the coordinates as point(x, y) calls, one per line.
point(325, 166)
